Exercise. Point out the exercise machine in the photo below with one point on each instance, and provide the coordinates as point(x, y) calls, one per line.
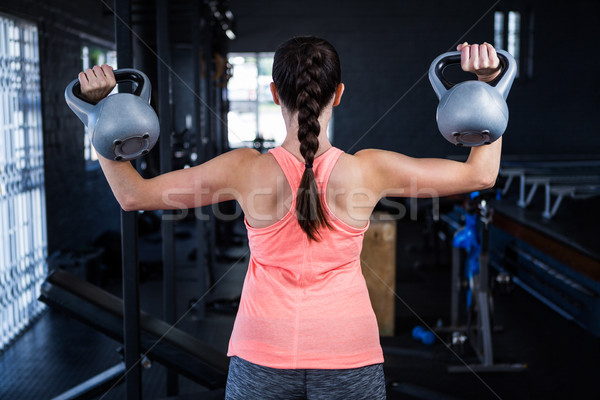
point(470, 278)
point(159, 341)
point(577, 179)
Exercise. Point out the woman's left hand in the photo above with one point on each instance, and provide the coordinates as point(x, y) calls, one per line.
point(481, 60)
point(97, 82)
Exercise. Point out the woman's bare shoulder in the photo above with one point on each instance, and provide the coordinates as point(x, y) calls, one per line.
point(346, 170)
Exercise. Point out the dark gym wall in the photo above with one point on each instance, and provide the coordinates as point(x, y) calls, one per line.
point(386, 47)
point(79, 204)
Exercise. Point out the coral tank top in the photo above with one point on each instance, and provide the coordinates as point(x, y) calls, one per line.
point(305, 304)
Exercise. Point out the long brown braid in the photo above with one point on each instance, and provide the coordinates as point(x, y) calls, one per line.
point(306, 73)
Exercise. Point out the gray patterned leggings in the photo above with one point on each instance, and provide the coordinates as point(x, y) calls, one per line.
point(248, 381)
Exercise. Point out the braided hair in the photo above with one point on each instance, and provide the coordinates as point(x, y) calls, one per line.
point(306, 73)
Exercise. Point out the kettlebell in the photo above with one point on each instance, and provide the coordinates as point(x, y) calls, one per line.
point(472, 113)
point(122, 126)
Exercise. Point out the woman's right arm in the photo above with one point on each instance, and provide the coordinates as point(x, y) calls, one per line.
point(393, 174)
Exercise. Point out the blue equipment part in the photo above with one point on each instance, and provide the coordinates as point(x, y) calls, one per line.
point(425, 336)
point(467, 238)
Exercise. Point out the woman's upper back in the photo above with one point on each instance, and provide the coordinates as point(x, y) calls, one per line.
point(275, 236)
point(269, 195)
point(299, 294)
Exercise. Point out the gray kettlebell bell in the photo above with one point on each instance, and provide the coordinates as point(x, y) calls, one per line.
point(472, 113)
point(122, 126)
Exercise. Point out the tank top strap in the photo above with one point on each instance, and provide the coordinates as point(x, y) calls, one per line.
point(294, 168)
point(324, 165)
point(290, 167)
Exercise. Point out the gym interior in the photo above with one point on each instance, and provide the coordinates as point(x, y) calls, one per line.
point(484, 295)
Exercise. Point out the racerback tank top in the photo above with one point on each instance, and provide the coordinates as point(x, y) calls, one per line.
point(305, 304)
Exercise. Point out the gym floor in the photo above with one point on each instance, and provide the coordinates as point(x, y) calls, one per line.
point(58, 352)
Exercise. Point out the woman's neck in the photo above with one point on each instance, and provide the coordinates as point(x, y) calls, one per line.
point(291, 142)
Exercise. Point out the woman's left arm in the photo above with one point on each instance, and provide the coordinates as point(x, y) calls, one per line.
point(219, 179)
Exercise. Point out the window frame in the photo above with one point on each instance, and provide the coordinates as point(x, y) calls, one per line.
point(259, 140)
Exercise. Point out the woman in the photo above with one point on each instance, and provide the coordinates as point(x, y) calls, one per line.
point(305, 327)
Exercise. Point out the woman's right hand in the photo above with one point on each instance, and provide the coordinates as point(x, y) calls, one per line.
point(97, 83)
point(481, 60)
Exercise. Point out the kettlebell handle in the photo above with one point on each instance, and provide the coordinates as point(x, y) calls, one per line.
point(502, 82)
point(82, 107)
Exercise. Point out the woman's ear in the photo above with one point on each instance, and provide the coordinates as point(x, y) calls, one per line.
point(274, 93)
point(339, 91)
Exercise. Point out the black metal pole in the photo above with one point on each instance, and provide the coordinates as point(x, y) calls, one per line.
point(218, 117)
point(199, 19)
point(129, 233)
point(224, 111)
point(208, 92)
point(166, 165)
point(208, 96)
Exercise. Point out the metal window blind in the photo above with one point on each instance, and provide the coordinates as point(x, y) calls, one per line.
point(23, 243)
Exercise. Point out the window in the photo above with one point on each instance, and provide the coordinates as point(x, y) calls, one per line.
point(23, 244)
point(90, 56)
point(253, 116)
point(499, 30)
point(514, 35)
point(252, 113)
point(508, 32)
